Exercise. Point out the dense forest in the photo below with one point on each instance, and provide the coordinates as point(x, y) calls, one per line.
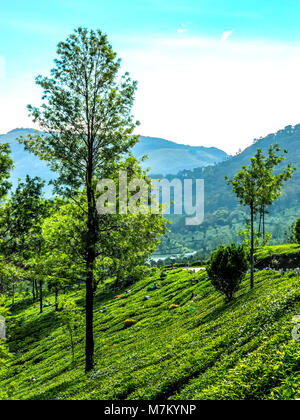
point(224, 218)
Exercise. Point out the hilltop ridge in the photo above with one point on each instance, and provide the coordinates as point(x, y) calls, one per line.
point(164, 156)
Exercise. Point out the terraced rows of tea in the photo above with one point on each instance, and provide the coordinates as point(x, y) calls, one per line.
point(177, 341)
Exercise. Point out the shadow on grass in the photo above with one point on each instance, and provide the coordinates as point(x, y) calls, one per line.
point(32, 331)
point(57, 392)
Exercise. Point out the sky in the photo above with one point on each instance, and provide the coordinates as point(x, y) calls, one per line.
point(216, 73)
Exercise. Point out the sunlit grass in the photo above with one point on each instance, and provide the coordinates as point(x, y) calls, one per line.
point(243, 349)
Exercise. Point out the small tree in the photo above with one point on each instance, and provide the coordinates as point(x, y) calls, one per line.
point(257, 188)
point(270, 183)
point(297, 231)
point(71, 318)
point(227, 269)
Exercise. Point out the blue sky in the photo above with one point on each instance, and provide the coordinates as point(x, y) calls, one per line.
point(210, 72)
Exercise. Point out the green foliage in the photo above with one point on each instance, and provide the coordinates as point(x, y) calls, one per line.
point(20, 220)
point(297, 230)
point(246, 236)
point(6, 164)
point(227, 268)
point(257, 187)
point(87, 114)
point(70, 316)
point(223, 216)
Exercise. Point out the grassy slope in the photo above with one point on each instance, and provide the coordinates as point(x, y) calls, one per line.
point(241, 350)
point(287, 249)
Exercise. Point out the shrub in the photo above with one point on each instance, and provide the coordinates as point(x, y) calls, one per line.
point(297, 231)
point(227, 268)
point(129, 323)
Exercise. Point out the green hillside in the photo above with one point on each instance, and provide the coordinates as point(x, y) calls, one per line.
point(166, 157)
point(204, 349)
point(224, 217)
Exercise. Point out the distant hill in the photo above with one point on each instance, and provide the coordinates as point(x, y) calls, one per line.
point(25, 162)
point(167, 157)
point(223, 216)
point(219, 194)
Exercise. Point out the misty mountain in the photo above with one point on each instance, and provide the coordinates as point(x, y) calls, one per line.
point(163, 157)
point(224, 217)
point(166, 157)
point(25, 163)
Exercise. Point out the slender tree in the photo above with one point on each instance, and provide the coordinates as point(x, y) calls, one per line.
point(257, 187)
point(245, 187)
point(71, 319)
point(270, 183)
point(87, 116)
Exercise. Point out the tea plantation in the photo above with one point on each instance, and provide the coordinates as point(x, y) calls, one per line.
point(177, 341)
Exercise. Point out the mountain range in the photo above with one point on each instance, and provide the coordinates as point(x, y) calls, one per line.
point(164, 157)
point(223, 216)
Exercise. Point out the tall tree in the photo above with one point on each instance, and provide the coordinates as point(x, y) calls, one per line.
point(270, 183)
point(257, 187)
point(245, 187)
point(87, 116)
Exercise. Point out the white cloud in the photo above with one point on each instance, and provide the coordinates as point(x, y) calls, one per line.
point(195, 90)
point(14, 98)
point(2, 67)
point(226, 35)
point(181, 30)
point(199, 91)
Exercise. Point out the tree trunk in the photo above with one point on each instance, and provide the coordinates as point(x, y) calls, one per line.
point(36, 289)
point(252, 248)
point(90, 263)
point(89, 311)
point(41, 296)
point(72, 345)
point(260, 221)
point(264, 229)
point(33, 292)
point(56, 299)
